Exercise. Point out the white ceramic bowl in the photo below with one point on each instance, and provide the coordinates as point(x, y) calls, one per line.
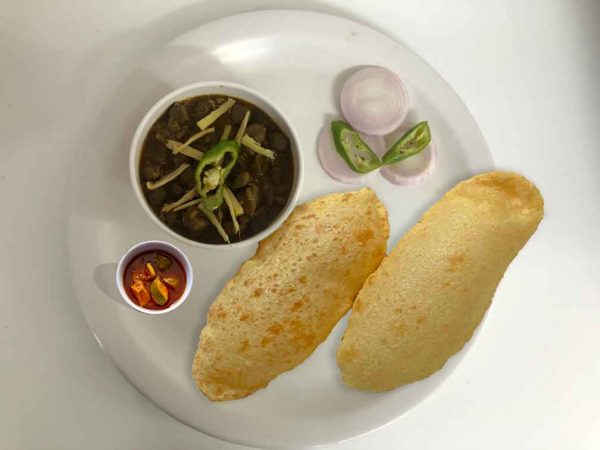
point(227, 89)
point(148, 246)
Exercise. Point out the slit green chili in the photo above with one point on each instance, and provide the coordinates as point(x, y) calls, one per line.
point(411, 143)
point(212, 171)
point(353, 149)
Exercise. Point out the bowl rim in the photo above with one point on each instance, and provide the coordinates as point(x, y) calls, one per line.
point(188, 91)
point(145, 246)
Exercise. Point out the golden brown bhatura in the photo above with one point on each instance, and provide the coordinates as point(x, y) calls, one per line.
point(427, 297)
point(284, 301)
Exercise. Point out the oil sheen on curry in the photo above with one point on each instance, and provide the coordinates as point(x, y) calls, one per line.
point(216, 169)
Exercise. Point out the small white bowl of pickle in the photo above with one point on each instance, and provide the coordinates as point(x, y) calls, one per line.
point(154, 277)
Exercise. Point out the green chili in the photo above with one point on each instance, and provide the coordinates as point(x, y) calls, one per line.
point(212, 171)
point(353, 149)
point(411, 143)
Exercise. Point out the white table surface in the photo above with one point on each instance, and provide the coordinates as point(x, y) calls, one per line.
point(530, 74)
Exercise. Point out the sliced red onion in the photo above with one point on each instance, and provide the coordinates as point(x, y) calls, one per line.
point(374, 101)
point(335, 165)
point(412, 170)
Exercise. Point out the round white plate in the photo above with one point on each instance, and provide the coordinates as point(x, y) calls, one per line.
point(299, 60)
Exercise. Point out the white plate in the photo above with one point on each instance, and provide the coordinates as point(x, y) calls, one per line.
point(299, 60)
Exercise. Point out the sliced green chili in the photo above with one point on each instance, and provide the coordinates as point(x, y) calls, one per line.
point(212, 171)
point(411, 143)
point(353, 149)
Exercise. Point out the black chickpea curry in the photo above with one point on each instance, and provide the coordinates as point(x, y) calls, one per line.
point(216, 169)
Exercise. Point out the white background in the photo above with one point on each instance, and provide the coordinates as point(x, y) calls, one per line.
point(530, 74)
